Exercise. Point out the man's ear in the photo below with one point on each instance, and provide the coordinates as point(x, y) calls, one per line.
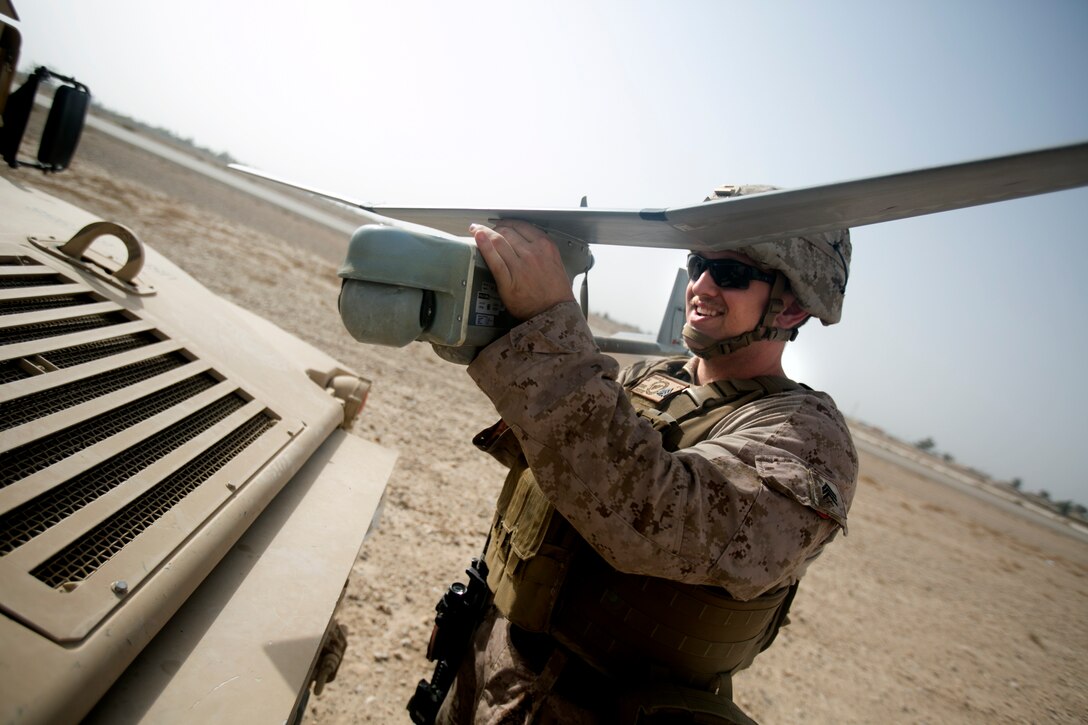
point(792, 316)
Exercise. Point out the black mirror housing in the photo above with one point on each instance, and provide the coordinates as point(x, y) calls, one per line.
point(63, 125)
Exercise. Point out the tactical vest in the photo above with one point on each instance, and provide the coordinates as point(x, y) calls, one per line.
point(546, 578)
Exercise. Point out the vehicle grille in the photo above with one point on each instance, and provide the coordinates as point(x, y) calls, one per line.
point(47, 450)
point(14, 307)
point(37, 405)
point(56, 328)
point(22, 524)
point(108, 424)
point(36, 281)
point(79, 560)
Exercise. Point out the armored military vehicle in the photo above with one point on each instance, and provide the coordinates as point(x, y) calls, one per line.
point(181, 501)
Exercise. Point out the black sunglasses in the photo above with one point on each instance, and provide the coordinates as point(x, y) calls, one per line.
point(726, 273)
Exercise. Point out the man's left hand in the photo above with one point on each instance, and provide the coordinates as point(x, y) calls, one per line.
point(526, 265)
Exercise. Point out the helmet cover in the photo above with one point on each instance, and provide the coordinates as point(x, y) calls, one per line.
point(816, 265)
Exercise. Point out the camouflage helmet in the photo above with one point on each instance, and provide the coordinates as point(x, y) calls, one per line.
point(816, 265)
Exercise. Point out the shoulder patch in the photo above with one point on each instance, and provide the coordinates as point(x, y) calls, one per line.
point(658, 387)
point(794, 478)
point(828, 499)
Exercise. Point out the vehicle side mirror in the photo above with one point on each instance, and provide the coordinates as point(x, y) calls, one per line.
point(63, 125)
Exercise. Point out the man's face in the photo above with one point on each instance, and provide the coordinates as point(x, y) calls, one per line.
point(724, 313)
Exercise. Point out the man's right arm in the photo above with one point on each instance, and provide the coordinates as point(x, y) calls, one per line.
point(705, 515)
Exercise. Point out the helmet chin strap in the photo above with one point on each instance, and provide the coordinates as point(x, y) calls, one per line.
point(706, 347)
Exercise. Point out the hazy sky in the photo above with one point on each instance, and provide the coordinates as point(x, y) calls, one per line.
point(965, 326)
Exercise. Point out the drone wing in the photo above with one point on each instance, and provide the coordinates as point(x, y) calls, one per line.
point(730, 223)
point(733, 222)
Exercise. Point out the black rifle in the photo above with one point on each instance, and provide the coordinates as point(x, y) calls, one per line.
point(459, 612)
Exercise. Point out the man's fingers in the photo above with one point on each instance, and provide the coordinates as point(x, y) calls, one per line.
point(529, 242)
point(529, 232)
point(487, 242)
point(526, 265)
point(508, 243)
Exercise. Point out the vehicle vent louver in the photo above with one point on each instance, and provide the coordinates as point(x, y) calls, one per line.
point(13, 307)
point(15, 260)
point(31, 407)
point(36, 516)
point(27, 459)
point(85, 555)
point(11, 371)
point(30, 281)
point(79, 354)
point(55, 328)
point(120, 438)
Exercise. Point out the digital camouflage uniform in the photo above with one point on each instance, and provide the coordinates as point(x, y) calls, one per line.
point(740, 510)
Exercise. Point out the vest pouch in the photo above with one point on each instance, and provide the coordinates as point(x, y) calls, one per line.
point(528, 554)
point(499, 442)
point(645, 629)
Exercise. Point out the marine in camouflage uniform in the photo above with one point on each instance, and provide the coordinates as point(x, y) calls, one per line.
point(621, 524)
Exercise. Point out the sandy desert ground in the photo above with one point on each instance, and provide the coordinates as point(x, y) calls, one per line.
point(937, 608)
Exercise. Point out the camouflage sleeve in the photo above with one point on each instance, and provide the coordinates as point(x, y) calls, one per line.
point(745, 509)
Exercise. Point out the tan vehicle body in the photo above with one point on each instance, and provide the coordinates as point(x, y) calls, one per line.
point(144, 428)
point(180, 501)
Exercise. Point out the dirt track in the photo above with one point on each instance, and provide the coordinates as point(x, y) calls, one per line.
point(936, 608)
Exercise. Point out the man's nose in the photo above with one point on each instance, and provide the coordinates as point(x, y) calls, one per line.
point(704, 283)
